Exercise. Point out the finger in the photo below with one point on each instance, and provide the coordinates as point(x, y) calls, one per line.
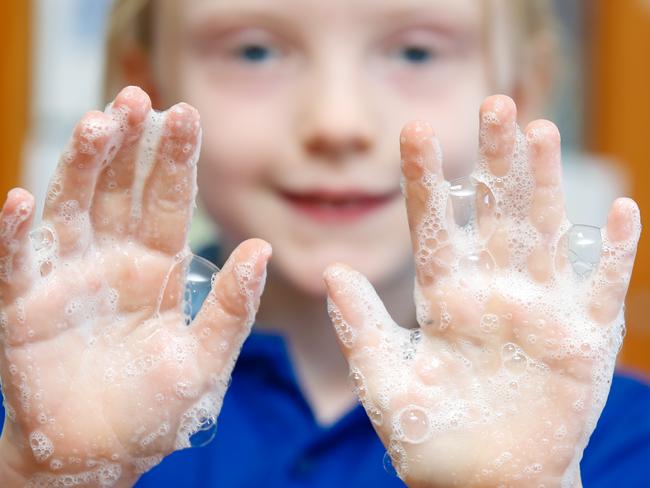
point(95, 139)
point(547, 212)
point(15, 221)
point(365, 331)
point(545, 159)
point(497, 133)
point(170, 190)
point(224, 321)
point(497, 142)
point(357, 313)
point(427, 201)
point(620, 239)
point(111, 208)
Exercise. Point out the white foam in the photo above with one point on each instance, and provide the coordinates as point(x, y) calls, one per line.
point(206, 408)
point(104, 474)
point(346, 334)
point(145, 160)
point(41, 446)
point(144, 464)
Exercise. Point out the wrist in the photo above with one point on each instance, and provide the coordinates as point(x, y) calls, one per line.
point(14, 471)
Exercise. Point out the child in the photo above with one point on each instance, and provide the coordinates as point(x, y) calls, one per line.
point(301, 104)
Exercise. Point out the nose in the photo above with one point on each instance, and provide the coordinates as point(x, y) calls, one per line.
point(336, 124)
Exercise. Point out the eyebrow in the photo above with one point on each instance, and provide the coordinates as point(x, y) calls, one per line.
point(457, 17)
point(445, 10)
point(451, 15)
point(219, 13)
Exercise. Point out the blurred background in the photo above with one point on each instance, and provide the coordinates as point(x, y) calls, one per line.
point(51, 61)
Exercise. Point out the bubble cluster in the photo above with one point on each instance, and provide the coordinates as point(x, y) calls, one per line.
point(489, 323)
point(145, 161)
point(345, 333)
point(360, 390)
point(203, 412)
point(6, 268)
point(103, 474)
point(41, 446)
point(249, 285)
point(8, 229)
point(44, 245)
point(144, 464)
point(150, 438)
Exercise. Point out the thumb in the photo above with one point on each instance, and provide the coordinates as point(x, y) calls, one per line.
point(367, 334)
point(228, 312)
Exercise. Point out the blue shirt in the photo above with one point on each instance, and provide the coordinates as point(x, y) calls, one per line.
point(268, 437)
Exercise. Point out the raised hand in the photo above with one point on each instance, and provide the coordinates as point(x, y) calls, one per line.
point(100, 373)
point(504, 380)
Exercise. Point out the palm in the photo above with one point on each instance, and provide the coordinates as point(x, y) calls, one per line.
point(102, 376)
point(504, 380)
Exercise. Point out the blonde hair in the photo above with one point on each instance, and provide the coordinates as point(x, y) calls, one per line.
point(131, 25)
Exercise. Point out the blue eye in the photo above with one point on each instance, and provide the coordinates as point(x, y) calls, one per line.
point(255, 53)
point(416, 55)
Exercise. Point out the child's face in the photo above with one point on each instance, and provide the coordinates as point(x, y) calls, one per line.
point(302, 102)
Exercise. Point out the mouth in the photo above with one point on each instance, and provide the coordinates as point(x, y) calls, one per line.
point(325, 206)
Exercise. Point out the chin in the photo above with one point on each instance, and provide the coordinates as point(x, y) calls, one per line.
point(304, 271)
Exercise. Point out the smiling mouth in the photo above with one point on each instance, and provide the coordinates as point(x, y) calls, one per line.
point(337, 207)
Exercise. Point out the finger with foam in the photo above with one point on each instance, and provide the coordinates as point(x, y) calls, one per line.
point(427, 201)
point(70, 194)
point(111, 207)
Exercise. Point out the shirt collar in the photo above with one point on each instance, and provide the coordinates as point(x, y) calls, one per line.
point(267, 351)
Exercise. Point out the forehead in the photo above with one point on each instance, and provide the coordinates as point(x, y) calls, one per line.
point(322, 11)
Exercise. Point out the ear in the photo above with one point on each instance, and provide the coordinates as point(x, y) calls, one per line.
point(137, 69)
point(538, 75)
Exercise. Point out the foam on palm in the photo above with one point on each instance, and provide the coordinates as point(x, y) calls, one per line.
point(476, 368)
point(159, 366)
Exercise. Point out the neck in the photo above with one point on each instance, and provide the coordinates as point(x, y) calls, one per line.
point(302, 319)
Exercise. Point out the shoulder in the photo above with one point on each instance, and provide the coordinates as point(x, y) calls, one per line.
point(628, 402)
point(620, 446)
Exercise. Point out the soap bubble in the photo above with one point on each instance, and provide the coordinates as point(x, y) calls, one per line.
point(42, 238)
point(205, 434)
point(480, 261)
point(413, 424)
point(584, 244)
point(463, 195)
point(199, 273)
point(388, 465)
point(198, 283)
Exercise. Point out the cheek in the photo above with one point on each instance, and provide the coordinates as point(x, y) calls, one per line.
point(238, 136)
point(244, 124)
point(244, 138)
point(231, 172)
point(447, 99)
